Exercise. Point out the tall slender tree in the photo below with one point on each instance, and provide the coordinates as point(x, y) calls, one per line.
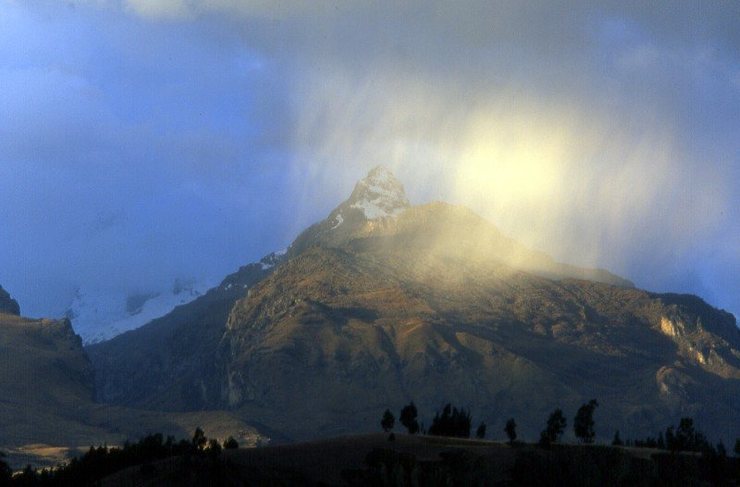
point(617, 441)
point(388, 421)
point(510, 430)
point(408, 418)
point(556, 424)
point(480, 433)
point(583, 423)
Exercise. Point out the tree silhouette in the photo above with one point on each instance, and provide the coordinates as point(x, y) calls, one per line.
point(388, 421)
point(480, 433)
point(737, 447)
point(199, 439)
point(5, 471)
point(452, 422)
point(721, 449)
point(554, 430)
point(510, 430)
point(583, 424)
point(408, 418)
point(231, 443)
point(214, 448)
point(617, 441)
point(685, 437)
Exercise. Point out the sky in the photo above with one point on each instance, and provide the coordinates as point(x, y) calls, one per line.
point(147, 140)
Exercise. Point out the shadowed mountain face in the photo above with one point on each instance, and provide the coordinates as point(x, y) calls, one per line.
point(171, 362)
point(382, 303)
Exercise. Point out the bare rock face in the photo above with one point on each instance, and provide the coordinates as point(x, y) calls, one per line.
point(7, 304)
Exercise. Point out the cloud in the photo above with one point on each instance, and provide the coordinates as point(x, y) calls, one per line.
point(577, 179)
point(602, 133)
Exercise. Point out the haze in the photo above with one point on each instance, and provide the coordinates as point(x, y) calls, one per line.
point(141, 141)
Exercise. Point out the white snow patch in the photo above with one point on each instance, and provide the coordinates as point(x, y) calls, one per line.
point(373, 210)
point(380, 195)
point(99, 317)
point(339, 219)
point(271, 260)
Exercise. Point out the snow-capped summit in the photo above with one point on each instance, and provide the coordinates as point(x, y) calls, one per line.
point(376, 204)
point(379, 195)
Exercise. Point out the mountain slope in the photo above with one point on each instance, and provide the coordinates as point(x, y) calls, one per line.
point(47, 409)
point(352, 333)
point(383, 302)
point(170, 363)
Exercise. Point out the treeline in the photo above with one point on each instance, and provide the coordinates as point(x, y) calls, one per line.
point(683, 437)
point(457, 423)
point(99, 462)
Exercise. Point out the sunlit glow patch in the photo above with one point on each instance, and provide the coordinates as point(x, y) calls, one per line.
point(509, 162)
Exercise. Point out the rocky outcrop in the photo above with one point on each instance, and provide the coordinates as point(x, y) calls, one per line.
point(7, 304)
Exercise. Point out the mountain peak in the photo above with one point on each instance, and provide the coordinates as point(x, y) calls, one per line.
point(8, 304)
point(379, 194)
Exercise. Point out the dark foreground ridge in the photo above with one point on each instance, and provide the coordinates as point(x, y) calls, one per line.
point(407, 460)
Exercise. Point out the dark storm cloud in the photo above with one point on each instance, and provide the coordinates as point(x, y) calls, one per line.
point(141, 140)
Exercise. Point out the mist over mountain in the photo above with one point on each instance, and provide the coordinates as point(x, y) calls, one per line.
point(383, 302)
point(175, 138)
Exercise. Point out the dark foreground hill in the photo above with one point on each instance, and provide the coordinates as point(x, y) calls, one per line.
point(384, 302)
point(431, 461)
